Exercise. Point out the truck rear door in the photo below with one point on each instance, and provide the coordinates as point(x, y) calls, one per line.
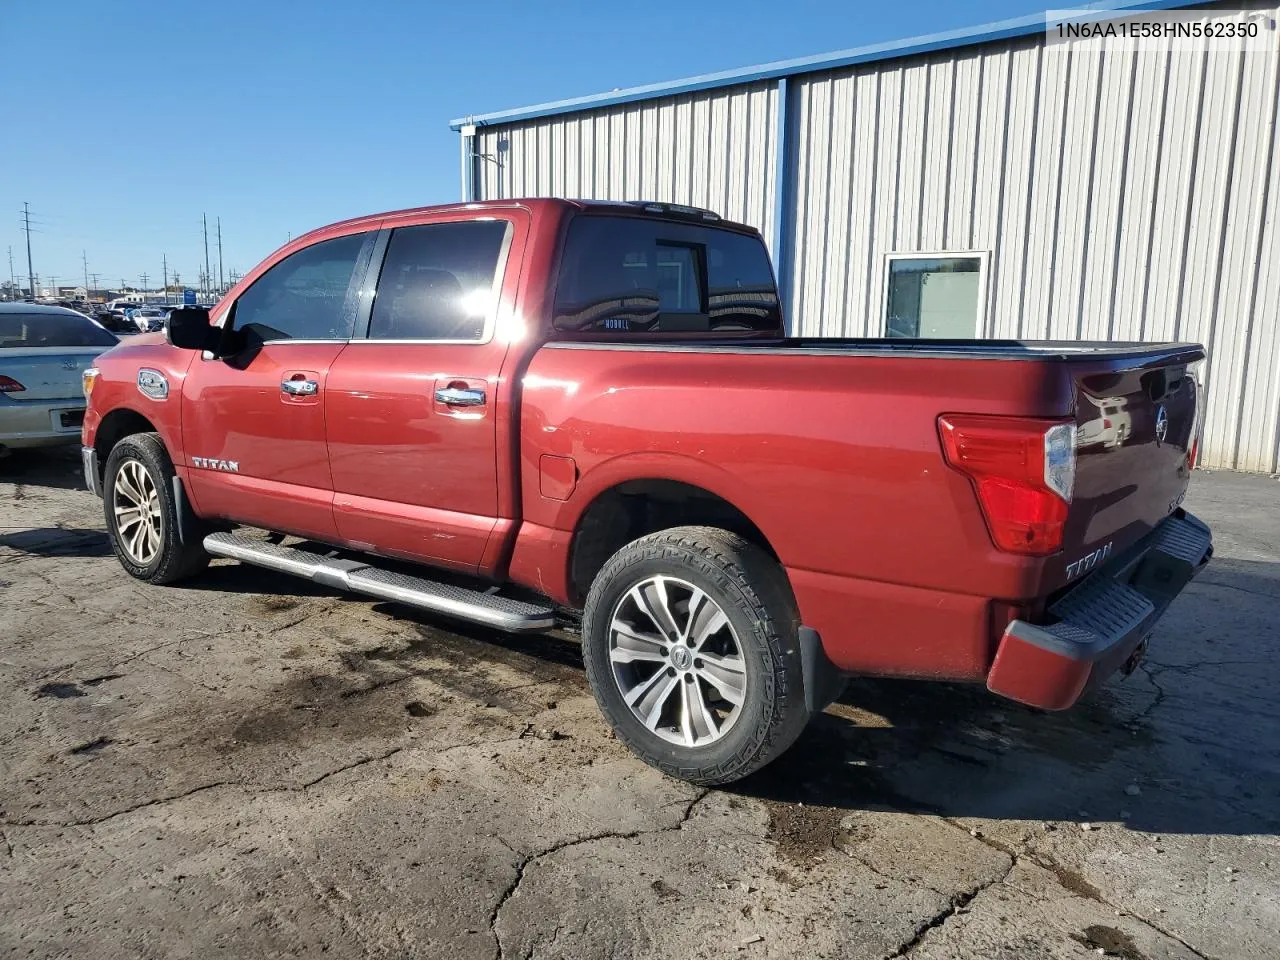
point(417, 438)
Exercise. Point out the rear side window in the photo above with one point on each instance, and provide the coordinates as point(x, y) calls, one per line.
point(309, 295)
point(639, 275)
point(439, 281)
point(25, 330)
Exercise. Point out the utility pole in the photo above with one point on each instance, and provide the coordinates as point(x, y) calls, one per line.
point(164, 266)
point(221, 287)
point(13, 293)
point(95, 279)
point(53, 284)
point(143, 277)
point(84, 258)
point(205, 220)
point(26, 225)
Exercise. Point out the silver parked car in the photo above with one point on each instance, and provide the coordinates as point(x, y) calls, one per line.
point(44, 352)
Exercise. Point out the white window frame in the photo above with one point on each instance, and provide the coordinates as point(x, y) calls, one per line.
point(984, 262)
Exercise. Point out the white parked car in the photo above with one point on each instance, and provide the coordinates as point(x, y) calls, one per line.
point(44, 352)
point(149, 319)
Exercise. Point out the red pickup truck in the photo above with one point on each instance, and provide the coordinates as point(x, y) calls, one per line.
point(553, 404)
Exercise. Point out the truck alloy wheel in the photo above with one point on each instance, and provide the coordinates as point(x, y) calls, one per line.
point(138, 499)
point(690, 642)
point(676, 661)
point(139, 519)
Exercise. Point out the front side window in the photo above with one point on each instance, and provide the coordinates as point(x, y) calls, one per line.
point(22, 330)
point(438, 281)
point(642, 275)
point(309, 295)
point(934, 296)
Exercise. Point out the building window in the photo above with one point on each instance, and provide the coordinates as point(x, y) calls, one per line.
point(939, 295)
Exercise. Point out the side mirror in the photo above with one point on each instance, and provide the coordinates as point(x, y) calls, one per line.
point(189, 329)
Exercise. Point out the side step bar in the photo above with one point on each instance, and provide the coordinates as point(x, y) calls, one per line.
point(515, 616)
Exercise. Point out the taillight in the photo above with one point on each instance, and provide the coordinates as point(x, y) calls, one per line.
point(1193, 447)
point(10, 385)
point(1023, 471)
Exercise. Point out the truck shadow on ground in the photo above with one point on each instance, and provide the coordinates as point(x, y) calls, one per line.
point(1189, 744)
point(57, 467)
point(58, 542)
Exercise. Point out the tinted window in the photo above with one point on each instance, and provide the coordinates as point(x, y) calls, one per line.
point(437, 282)
point(51, 330)
point(651, 276)
point(308, 295)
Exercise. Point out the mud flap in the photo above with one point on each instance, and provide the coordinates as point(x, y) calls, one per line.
point(823, 682)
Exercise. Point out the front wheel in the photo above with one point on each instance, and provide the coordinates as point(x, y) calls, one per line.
point(142, 514)
point(690, 644)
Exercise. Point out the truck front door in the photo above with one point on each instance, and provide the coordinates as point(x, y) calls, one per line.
point(417, 407)
point(254, 424)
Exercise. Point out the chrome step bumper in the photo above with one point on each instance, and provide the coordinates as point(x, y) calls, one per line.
point(503, 613)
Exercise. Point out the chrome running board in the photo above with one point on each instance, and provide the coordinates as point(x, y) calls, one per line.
point(503, 613)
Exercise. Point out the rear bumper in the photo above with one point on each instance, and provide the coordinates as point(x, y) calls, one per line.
point(40, 423)
point(1101, 623)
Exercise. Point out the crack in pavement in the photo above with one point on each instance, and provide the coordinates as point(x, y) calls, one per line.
point(1040, 859)
point(250, 787)
point(958, 903)
point(527, 861)
point(94, 821)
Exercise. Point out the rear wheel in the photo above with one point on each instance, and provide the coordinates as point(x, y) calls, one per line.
point(689, 638)
point(142, 515)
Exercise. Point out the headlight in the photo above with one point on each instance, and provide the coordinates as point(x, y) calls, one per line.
point(88, 379)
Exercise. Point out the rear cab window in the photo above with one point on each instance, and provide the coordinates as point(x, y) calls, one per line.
point(632, 277)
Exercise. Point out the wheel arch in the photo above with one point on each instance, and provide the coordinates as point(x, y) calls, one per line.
point(115, 426)
point(633, 508)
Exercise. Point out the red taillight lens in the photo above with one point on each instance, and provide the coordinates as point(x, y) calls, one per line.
point(1023, 471)
point(10, 385)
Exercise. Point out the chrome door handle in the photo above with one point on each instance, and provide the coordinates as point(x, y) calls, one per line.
point(300, 388)
point(460, 396)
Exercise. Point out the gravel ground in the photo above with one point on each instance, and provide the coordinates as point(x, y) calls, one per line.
point(255, 765)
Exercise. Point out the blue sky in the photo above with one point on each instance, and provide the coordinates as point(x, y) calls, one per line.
point(126, 120)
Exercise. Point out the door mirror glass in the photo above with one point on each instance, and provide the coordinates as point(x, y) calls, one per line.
point(189, 329)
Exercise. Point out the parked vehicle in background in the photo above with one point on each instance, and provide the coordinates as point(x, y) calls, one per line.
point(44, 352)
point(149, 319)
point(595, 405)
point(115, 322)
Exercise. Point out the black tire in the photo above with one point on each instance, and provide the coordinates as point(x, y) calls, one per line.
point(173, 560)
point(752, 592)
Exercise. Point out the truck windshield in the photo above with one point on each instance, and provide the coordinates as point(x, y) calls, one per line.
point(643, 275)
point(24, 330)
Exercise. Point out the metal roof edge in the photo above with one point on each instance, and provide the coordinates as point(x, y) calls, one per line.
point(968, 36)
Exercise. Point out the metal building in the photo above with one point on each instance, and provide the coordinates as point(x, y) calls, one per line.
point(973, 183)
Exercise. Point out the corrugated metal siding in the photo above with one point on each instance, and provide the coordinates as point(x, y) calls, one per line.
point(1128, 196)
point(1125, 196)
point(715, 150)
